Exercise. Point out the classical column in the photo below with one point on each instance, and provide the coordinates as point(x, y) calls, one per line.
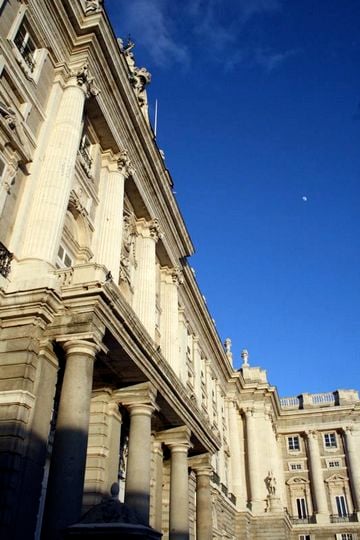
point(256, 497)
point(158, 458)
point(109, 222)
point(237, 455)
point(140, 401)
point(203, 470)
point(319, 493)
point(47, 212)
point(169, 319)
point(67, 469)
point(178, 440)
point(144, 300)
point(352, 440)
point(179, 490)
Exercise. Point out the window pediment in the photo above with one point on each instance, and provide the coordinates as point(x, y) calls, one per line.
point(297, 480)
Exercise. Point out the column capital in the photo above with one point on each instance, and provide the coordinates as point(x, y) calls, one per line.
point(311, 434)
point(149, 229)
point(177, 439)
point(124, 164)
point(139, 398)
point(80, 346)
point(172, 275)
point(201, 464)
point(85, 81)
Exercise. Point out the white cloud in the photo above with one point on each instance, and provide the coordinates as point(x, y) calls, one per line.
point(151, 26)
point(270, 60)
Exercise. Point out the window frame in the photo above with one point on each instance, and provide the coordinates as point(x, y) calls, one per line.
point(330, 440)
point(291, 442)
point(302, 509)
point(341, 505)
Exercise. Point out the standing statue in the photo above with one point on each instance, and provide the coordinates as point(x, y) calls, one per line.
point(270, 482)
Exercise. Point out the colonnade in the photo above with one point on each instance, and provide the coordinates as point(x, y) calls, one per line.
point(64, 496)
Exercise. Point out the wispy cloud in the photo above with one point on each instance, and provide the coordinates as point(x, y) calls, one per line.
point(270, 60)
point(150, 24)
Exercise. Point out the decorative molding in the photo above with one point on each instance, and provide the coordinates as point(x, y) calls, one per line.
point(86, 81)
point(124, 164)
point(93, 6)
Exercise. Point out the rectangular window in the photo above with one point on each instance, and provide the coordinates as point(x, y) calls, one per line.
point(334, 464)
point(295, 466)
point(26, 45)
point(301, 508)
point(330, 440)
point(341, 506)
point(304, 537)
point(294, 443)
point(345, 536)
point(63, 259)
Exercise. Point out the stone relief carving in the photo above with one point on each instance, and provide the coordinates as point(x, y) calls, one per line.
point(124, 164)
point(93, 6)
point(76, 203)
point(128, 246)
point(86, 81)
point(139, 77)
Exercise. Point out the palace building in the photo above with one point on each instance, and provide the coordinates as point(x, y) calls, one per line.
point(120, 408)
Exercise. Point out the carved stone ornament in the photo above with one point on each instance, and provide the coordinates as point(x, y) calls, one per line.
point(154, 229)
point(177, 276)
point(86, 82)
point(139, 77)
point(75, 205)
point(124, 164)
point(93, 6)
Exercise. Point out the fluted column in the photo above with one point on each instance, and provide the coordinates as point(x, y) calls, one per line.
point(47, 212)
point(352, 440)
point(140, 402)
point(252, 455)
point(109, 221)
point(319, 493)
point(67, 470)
point(169, 320)
point(144, 300)
point(203, 470)
point(237, 455)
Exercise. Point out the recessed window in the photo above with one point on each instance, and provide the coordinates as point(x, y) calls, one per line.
point(85, 152)
point(301, 508)
point(63, 258)
point(345, 536)
point(26, 45)
point(294, 443)
point(304, 537)
point(330, 440)
point(341, 506)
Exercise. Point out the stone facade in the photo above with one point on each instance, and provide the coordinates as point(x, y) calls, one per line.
point(112, 372)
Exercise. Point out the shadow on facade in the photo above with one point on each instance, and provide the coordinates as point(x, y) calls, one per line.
point(41, 493)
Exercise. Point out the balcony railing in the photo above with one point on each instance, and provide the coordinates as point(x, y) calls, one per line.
point(303, 520)
point(5, 260)
point(350, 518)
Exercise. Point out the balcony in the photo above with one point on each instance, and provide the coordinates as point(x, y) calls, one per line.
point(350, 518)
point(302, 520)
point(5, 261)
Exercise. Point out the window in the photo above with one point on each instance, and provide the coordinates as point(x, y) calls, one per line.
point(345, 536)
point(334, 464)
point(63, 259)
point(301, 508)
point(85, 152)
point(26, 45)
point(341, 506)
point(294, 443)
point(296, 466)
point(330, 440)
point(304, 537)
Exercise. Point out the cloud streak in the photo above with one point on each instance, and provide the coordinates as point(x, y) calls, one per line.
point(151, 27)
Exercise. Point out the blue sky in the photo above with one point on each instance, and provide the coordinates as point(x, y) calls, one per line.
point(258, 108)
